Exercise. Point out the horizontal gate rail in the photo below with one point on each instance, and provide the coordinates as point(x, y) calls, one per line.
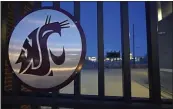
point(82, 103)
point(90, 97)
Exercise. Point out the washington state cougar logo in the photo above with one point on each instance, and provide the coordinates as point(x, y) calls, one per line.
point(47, 48)
point(38, 53)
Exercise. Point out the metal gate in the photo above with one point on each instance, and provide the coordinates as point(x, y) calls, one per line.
point(15, 98)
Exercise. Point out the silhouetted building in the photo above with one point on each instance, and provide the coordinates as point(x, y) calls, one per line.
point(165, 34)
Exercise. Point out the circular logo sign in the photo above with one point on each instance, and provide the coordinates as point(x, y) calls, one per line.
point(47, 48)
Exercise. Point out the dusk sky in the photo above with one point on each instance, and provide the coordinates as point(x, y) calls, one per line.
point(112, 26)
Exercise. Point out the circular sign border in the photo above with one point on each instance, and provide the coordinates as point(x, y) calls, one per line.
point(79, 65)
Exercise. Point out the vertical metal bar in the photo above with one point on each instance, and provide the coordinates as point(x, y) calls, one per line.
point(16, 86)
point(133, 46)
point(100, 43)
point(55, 93)
point(125, 51)
point(77, 81)
point(37, 5)
point(172, 56)
point(153, 58)
point(56, 4)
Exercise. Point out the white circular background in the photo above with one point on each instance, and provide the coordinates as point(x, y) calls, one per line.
point(70, 39)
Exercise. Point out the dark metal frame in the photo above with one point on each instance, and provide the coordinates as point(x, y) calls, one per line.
point(153, 57)
point(125, 51)
point(100, 42)
point(55, 93)
point(16, 86)
point(76, 100)
point(77, 81)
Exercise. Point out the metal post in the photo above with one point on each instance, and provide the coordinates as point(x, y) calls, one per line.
point(172, 56)
point(153, 58)
point(77, 80)
point(55, 93)
point(56, 4)
point(16, 85)
point(37, 5)
point(100, 42)
point(125, 51)
point(172, 52)
point(133, 46)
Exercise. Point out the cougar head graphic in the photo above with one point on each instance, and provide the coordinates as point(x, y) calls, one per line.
point(34, 58)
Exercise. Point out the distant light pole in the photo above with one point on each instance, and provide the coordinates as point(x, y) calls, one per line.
point(133, 46)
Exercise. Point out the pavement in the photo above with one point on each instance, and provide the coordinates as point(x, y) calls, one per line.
point(113, 83)
point(166, 79)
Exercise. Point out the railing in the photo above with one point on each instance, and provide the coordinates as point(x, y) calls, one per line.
point(55, 99)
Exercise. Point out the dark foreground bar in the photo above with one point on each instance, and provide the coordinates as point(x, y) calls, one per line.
point(153, 57)
point(70, 102)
